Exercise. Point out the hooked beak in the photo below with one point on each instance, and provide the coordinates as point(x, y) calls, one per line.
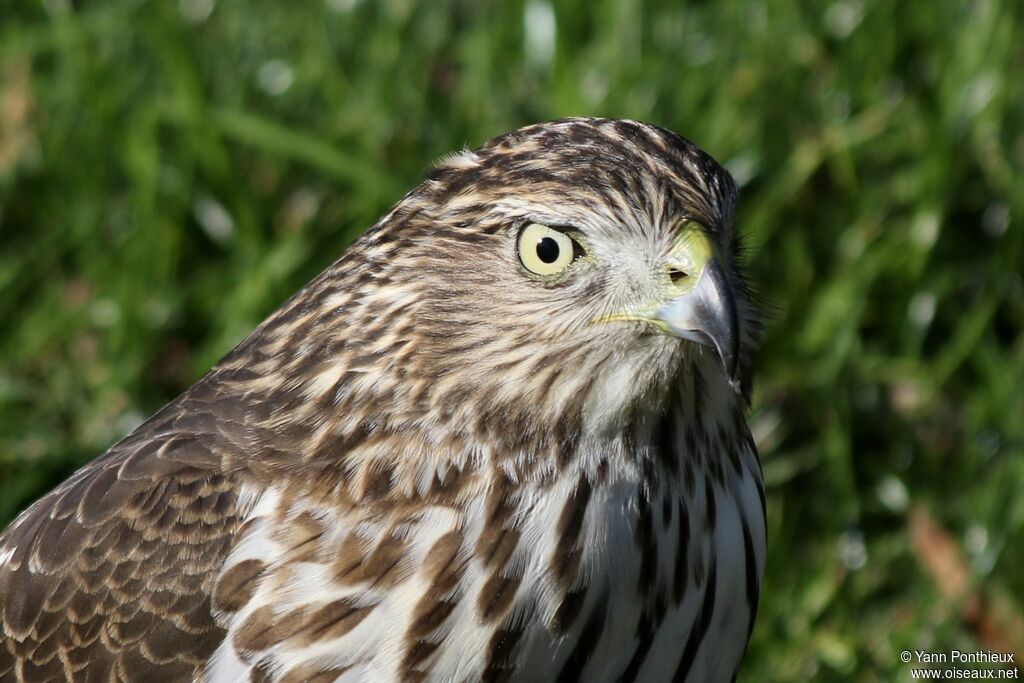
point(695, 301)
point(706, 314)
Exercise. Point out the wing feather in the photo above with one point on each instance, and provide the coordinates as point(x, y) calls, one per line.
point(114, 570)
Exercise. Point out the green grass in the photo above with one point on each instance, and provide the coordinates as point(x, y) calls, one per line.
point(168, 178)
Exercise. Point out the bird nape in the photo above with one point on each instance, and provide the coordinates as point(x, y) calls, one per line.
point(502, 438)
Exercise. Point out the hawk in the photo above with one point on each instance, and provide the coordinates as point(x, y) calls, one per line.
point(502, 438)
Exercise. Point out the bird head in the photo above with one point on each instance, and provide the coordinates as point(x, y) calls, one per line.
point(569, 273)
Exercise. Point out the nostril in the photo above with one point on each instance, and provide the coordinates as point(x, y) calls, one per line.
point(676, 275)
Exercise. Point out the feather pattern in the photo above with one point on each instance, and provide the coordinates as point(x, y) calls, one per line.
point(427, 466)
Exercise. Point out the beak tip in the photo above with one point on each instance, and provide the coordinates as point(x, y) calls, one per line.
point(730, 369)
point(727, 354)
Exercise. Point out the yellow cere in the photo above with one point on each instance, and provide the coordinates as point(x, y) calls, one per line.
point(691, 252)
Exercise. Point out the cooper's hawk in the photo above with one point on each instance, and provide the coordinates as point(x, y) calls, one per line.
point(501, 439)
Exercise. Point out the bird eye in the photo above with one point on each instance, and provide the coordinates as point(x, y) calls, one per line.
point(546, 251)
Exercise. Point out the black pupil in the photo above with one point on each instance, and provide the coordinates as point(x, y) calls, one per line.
point(547, 250)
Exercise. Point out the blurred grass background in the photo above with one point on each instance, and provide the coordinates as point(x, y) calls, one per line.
point(171, 171)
